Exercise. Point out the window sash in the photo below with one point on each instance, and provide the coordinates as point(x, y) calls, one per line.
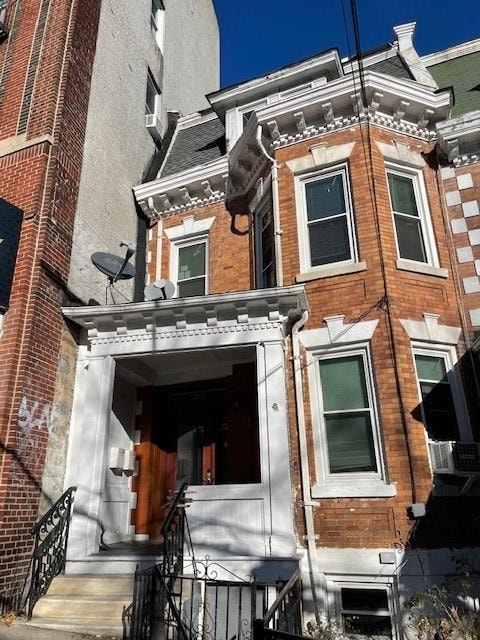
point(186, 282)
point(421, 250)
point(265, 247)
point(349, 251)
point(371, 442)
point(365, 619)
point(436, 428)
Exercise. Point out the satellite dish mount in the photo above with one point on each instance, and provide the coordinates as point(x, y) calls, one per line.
point(115, 268)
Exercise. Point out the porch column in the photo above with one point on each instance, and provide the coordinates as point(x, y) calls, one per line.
point(274, 446)
point(88, 455)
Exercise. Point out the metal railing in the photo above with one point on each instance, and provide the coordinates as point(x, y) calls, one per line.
point(153, 585)
point(50, 548)
point(284, 618)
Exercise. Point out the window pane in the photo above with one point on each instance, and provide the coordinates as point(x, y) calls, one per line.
point(402, 194)
point(430, 367)
point(439, 411)
point(350, 443)
point(191, 261)
point(329, 241)
point(343, 383)
point(365, 626)
point(325, 197)
point(195, 287)
point(364, 599)
point(410, 239)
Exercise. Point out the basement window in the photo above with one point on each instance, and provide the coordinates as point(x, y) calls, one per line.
point(366, 612)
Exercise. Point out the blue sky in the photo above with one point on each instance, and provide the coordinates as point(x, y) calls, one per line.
point(258, 36)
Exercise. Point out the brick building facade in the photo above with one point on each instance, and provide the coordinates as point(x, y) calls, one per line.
point(311, 377)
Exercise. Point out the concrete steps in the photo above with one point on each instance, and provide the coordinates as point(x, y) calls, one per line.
point(85, 604)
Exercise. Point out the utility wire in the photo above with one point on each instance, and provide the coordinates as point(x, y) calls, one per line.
point(365, 133)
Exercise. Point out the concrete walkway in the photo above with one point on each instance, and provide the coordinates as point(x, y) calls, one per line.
point(19, 631)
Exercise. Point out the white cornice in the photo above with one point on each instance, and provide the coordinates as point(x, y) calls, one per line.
point(460, 138)
point(297, 73)
point(200, 186)
point(352, 65)
point(458, 51)
point(195, 313)
point(400, 105)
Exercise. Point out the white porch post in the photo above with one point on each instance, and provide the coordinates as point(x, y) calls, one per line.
point(90, 427)
point(274, 447)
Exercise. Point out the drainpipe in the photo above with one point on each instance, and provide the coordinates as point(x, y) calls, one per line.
point(276, 209)
point(305, 474)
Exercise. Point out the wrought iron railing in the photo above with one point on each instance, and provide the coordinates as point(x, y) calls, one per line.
point(152, 585)
point(284, 618)
point(49, 549)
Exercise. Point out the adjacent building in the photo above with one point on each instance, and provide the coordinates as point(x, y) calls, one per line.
point(85, 87)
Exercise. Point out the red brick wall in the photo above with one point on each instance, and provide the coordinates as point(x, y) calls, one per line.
point(345, 522)
point(228, 252)
point(43, 181)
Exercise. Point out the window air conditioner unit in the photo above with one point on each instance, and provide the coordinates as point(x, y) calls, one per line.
point(462, 458)
point(154, 126)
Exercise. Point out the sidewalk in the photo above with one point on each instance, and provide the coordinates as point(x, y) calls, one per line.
point(19, 631)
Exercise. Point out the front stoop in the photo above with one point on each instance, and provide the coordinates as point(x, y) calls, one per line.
point(85, 604)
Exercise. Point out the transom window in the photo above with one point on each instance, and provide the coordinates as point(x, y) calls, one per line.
point(329, 229)
point(192, 269)
point(438, 412)
point(348, 415)
point(413, 232)
point(366, 613)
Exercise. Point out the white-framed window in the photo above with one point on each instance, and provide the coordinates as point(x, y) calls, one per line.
point(237, 119)
point(265, 245)
point(345, 414)
point(157, 22)
point(442, 407)
point(365, 610)
point(325, 219)
point(411, 217)
point(189, 267)
point(152, 95)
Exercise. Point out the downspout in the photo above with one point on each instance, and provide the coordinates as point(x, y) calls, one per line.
point(302, 437)
point(276, 209)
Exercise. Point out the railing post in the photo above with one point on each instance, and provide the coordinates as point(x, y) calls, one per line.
point(258, 629)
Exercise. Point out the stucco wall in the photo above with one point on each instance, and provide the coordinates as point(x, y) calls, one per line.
point(118, 146)
point(192, 50)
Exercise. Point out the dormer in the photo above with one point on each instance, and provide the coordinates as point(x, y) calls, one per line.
point(234, 105)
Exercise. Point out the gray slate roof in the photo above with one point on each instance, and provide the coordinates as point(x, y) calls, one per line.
point(392, 67)
point(195, 146)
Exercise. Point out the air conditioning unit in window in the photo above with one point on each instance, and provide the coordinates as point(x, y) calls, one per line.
point(460, 458)
point(154, 126)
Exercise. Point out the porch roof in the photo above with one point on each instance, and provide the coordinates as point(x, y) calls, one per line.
point(181, 313)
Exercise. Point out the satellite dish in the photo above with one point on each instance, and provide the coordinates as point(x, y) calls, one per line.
point(159, 290)
point(115, 267)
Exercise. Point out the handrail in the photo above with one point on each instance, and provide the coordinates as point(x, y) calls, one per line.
point(271, 612)
point(180, 495)
point(50, 548)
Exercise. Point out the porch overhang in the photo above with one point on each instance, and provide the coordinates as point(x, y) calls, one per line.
point(196, 314)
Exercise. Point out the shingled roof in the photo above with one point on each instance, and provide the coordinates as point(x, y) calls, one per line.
point(463, 74)
point(195, 145)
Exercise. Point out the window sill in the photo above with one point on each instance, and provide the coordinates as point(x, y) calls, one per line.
point(419, 267)
point(331, 271)
point(373, 489)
